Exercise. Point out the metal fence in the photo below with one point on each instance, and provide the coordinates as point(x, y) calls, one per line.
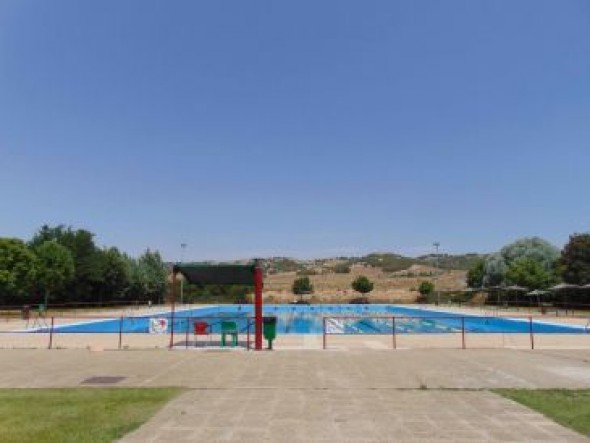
point(126, 332)
point(523, 332)
point(182, 332)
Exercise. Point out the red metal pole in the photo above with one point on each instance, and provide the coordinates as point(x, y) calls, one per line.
point(173, 306)
point(531, 332)
point(51, 334)
point(258, 284)
point(394, 340)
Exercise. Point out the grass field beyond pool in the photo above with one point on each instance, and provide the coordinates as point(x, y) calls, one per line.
point(569, 408)
point(76, 415)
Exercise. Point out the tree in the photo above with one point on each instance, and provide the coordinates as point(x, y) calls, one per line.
point(529, 273)
point(574, 262)
point(302, 286)
point(115, 274)
point(55, 268)
point(476, 274)
point(426, 288)
point(494, 270)
point(534, 248)
point(153, 272)
point(362, 284)
point(88, 278)
point(18, 266)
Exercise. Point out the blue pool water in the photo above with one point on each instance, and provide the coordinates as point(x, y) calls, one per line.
point(309, 319)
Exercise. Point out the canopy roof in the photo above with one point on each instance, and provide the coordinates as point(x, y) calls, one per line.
point(217, 274)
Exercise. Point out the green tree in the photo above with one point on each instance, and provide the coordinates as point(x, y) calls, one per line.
point(18, 269)
point(476, 274)
point(115, 274)
point(574, 262)
point(426, 288)
point(137, 287)
point(494, 270)
point(362, 284)
point(88, 278)
point(529, 273)
point(153, 272)
point(302, 286)
point(55, 268)
point(534, 248)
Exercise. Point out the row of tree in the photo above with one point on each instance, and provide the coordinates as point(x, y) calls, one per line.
point(534, 263)
point(61, 264)
point(303, 286)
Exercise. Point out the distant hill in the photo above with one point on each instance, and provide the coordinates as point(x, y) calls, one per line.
point(386, 261)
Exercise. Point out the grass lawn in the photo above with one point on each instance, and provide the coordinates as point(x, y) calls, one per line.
point(569, 408)
point(78, 414)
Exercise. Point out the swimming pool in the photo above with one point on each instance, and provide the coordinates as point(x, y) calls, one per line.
point(309, 319)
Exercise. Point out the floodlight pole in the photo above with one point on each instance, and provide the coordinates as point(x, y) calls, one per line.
point(183, 248)
point(258, 284)
point(173, 301)
point(436, 245)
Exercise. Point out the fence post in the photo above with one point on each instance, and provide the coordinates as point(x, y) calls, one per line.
point(463, 332)
point(51, 334)
point(186, 337)
point(531, 332)
point(394, 340)
point(171, 331)
point(248, 334)
point(324, 331)
point(120, 332)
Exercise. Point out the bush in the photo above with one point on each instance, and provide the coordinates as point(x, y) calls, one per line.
point(302, 286)
point(362, 284)
point(426, 288)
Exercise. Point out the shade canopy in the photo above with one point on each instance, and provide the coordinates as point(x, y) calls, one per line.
point(537, 292)
point(217, 274)
point(516, 288)
point(563, 286)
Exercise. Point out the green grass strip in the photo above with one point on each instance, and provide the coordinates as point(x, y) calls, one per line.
point(570, 408)
point(79, 415)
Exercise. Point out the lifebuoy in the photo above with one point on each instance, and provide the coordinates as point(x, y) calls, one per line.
point(158, 325)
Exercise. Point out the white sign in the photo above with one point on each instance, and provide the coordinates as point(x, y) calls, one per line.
point(158, 325)
point(334, 326)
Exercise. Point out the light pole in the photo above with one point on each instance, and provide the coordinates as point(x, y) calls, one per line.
point(182, 248)
point(436, 245)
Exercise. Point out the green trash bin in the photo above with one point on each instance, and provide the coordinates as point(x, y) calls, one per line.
point(269, 329)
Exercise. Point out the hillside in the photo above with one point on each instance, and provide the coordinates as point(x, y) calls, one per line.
point(331, 287)
point(395, 276)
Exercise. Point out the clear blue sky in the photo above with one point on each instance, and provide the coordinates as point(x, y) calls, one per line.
point(303, 128)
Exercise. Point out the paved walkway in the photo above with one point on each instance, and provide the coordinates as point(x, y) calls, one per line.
point(364, 395)
point(337, 415)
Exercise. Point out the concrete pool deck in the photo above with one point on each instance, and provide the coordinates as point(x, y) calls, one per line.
point(358, 395)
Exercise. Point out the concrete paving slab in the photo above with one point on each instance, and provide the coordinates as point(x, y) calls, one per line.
point(321, 415)
point(359, 395)
point(361, 369)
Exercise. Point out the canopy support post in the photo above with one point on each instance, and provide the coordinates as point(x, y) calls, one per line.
point(258, 305)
